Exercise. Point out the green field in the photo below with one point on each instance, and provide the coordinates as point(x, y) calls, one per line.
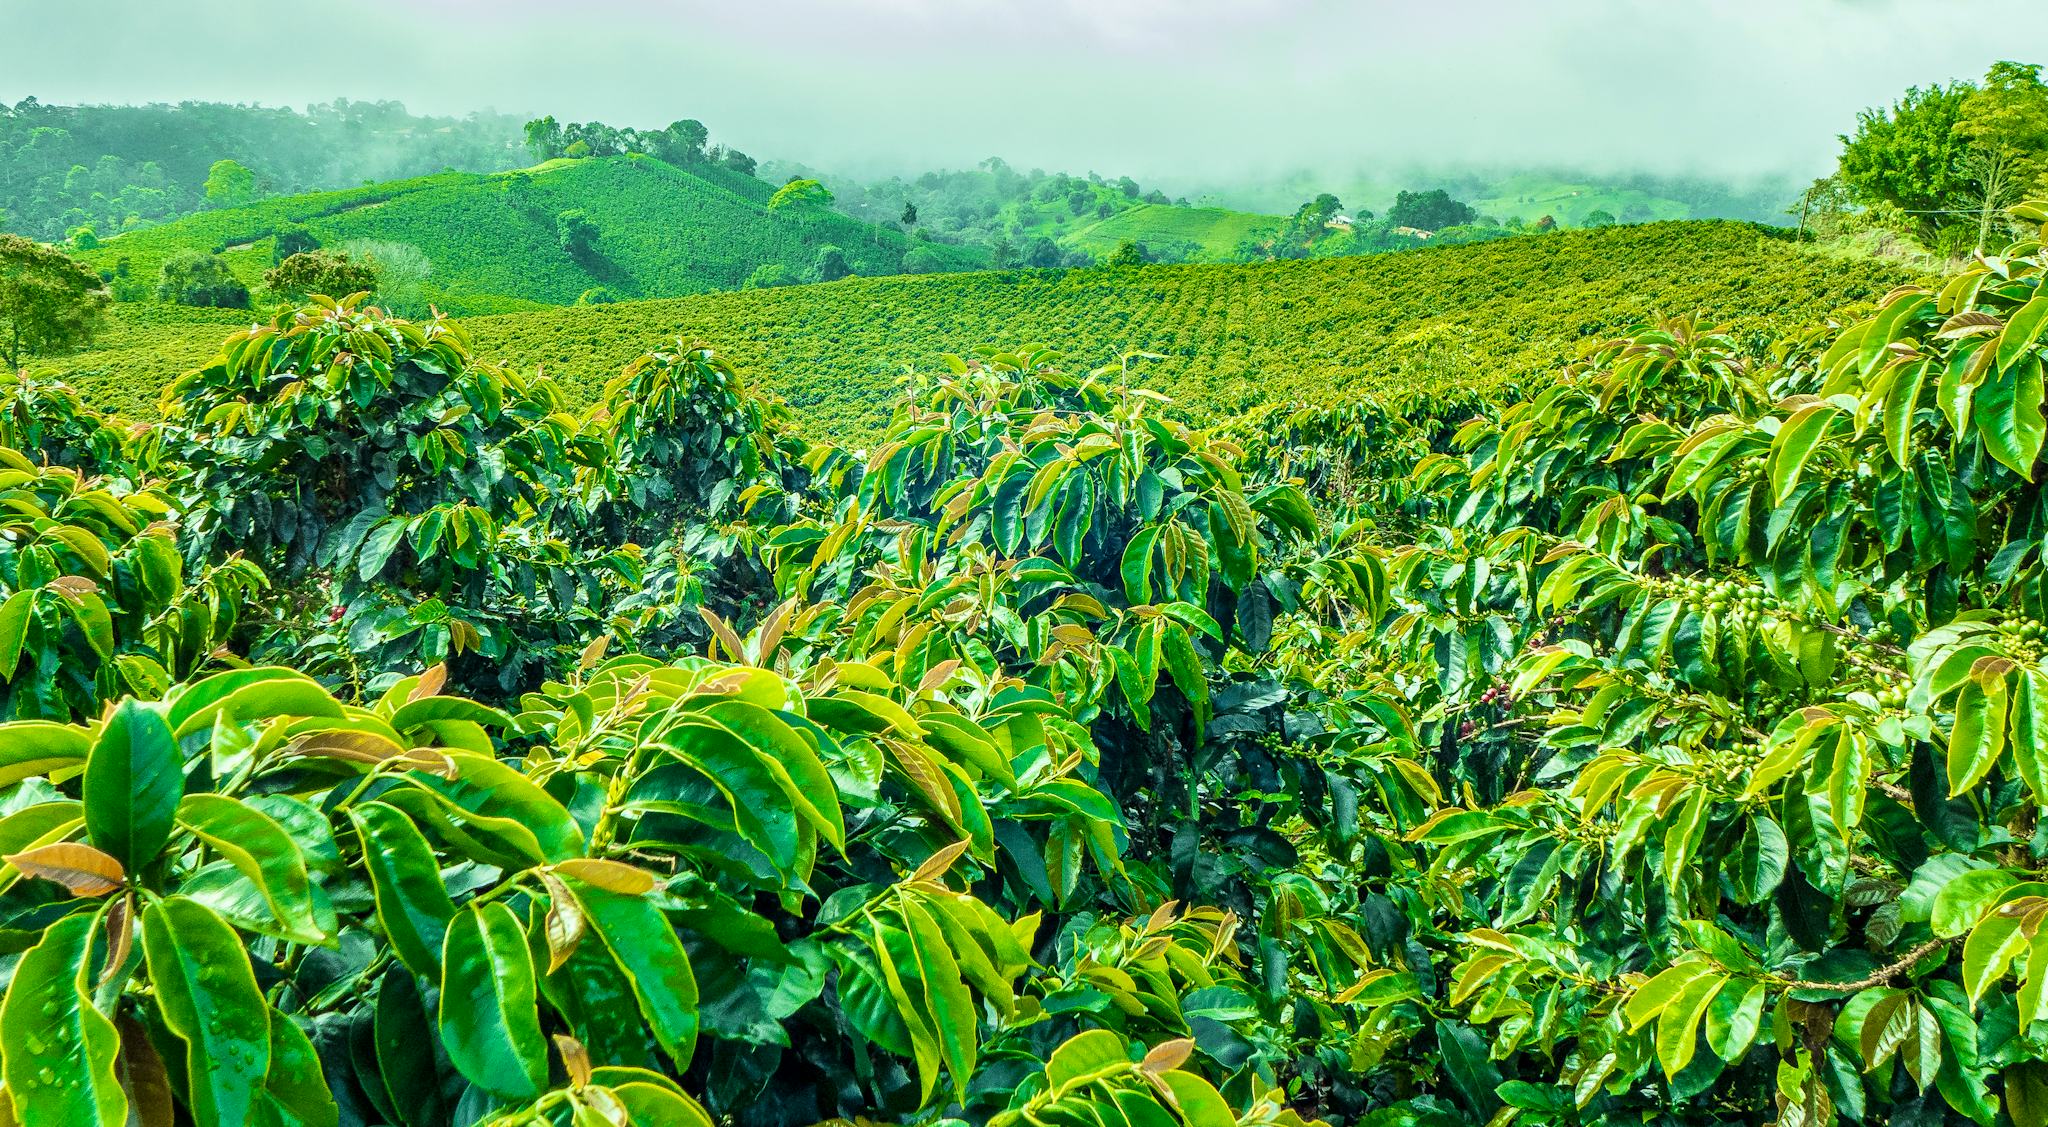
point(1226, 336)
point(493, 245)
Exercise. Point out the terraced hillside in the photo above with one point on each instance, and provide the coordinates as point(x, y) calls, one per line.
point(493, 241)
point(1220, 337)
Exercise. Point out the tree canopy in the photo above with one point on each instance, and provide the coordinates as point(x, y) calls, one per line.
point(48, 301)
point(800, 195)
point(1432, 210)
point(194, 277)
point(1944, 161)
point(229, 183)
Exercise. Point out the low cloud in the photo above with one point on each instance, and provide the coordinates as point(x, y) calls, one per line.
point(1183, 92)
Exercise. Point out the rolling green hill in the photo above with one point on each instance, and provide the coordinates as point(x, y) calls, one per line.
point(1224, 336)
point(1215, 232)
point(493, 245)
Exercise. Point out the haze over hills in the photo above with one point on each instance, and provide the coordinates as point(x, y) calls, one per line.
point(601, 228)
point(115, 181)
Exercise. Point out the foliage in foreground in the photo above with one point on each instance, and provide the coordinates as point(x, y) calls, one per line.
point(1662, 747)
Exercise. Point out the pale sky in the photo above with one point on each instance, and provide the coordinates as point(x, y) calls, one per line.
point(1178, 91)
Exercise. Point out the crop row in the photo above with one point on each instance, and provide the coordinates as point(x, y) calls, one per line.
point(1219, 338)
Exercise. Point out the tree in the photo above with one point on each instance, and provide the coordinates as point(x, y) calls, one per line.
point(1598, 217)
point(909, 217)
point(2009, 112)
point(1042, 254)
point(1951, 157)
point(544, 138)
point(769, 275)
point(332, 273)
point(1907, 158)
point(1993, 179)
point(577, 149)
point(577, 233)
point(2006, 126)
point(192, 277)
point(48, 300)
point(831, 264)
point(83, 237)
point(738, 162)
point(1433, 210)
point(229, 183)
point(922, 260)
point(1127, 253)
point(800, 196)
point(681, 143)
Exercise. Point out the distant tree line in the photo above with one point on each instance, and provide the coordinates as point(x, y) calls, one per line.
point(1321, 228)
point(993, 205)
point(682, 143)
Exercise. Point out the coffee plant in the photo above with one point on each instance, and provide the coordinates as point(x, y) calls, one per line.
point(1659, 743)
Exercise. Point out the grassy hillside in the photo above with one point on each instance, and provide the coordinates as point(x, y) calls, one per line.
point(493, 244)
point(1226, 336)
point(1214, 231)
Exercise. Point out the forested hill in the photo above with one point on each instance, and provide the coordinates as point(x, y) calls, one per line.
point(1221, 338)
point(598, 229)
point(114, 167)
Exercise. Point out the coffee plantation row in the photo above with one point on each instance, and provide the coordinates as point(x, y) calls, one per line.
point(1219, 339)
point(392, 743)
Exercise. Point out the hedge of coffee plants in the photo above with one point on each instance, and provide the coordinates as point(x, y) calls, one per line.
point(1220, 339)
point(389, 743)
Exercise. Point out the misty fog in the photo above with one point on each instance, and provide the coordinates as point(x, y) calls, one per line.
point(1242, 101)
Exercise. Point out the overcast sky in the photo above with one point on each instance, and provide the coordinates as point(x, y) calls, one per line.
point(1178, 90)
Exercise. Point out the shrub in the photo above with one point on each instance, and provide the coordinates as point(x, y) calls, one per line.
point(330, 273)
